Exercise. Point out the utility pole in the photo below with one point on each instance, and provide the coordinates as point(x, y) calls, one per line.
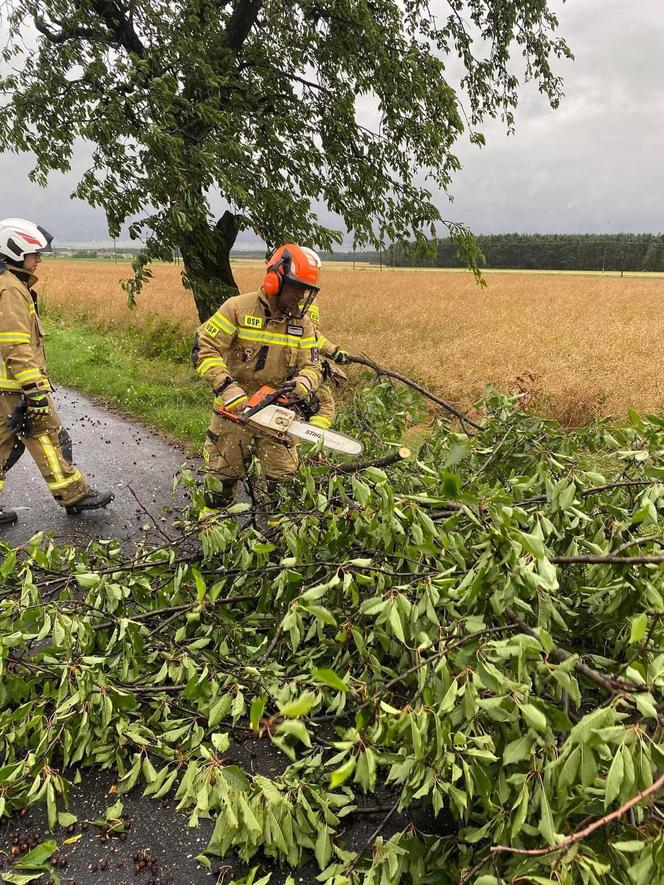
point(115, 252)
point(624, 255)
point(354, 247)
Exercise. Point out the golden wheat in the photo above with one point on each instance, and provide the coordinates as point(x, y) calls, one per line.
point(577, 346)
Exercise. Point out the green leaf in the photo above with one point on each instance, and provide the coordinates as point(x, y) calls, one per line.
point(256, 712)
point(630, 847)
point(115, 811)
point(323, 849)
point(220, 741)
point(451, 485)
point(395, 623)
point(639, 628)
point(534, 717)
point(614, 779)
point(39, 855)
point(300, 706)
point(20, 878)
point(330, 678)
point(518, 749)
point(235, 777)
point(546, 820)
point(341, 775)
point(296, 728)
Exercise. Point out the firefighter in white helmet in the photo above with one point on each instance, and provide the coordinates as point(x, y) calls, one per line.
point(28, 418)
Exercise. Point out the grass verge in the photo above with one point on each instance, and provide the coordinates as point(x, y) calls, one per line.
point(111, 368)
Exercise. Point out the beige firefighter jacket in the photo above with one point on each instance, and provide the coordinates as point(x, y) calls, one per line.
point(325, 347)
point(327, 409)
point(22, 357)
point(243, 343)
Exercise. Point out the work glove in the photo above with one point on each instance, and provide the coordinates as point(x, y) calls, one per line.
point(37, 407)
point(17, 422)
point(232, 397)
point(296, 390)
point(340, 357)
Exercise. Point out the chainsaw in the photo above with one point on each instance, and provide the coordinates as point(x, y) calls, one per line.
point(268, 411)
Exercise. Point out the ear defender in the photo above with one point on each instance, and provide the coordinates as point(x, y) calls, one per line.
point(274, 275)
point(272, 281)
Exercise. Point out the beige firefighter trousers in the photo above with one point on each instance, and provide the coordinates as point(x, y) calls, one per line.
point(64, 480)
point(228, 449)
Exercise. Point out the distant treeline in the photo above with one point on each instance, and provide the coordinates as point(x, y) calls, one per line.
point(635, 252)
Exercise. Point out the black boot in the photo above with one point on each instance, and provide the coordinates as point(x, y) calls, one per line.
point(216, 501)
point(8, 517)
point(92, 501)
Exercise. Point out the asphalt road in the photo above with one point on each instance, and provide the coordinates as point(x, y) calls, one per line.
point(114, 453)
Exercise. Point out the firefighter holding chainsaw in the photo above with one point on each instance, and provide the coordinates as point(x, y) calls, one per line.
point(28, 419)
point(261, 338)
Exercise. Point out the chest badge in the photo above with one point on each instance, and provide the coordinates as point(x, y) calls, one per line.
point(252, 322)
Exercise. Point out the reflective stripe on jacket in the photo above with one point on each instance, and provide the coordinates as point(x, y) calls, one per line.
point(243, 342)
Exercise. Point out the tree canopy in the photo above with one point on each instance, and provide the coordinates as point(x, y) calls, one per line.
point(258, 104)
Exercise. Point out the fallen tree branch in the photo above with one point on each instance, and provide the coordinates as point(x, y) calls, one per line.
point(594, 490)
point(431, 659)
point(559, 655)
point(379, 370)
point(176, 609)
point(401, 454)
point(609, 559)
point(586, 831)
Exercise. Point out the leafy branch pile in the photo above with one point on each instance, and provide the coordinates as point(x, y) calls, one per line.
point(472, 643)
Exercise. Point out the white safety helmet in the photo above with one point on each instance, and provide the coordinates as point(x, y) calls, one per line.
point(19, 237)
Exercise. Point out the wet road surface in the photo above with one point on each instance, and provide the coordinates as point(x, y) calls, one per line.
point(114, 453)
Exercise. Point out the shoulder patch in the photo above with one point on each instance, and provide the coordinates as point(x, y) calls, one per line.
point(211, 329)
point(252, 322)
point(295, 330)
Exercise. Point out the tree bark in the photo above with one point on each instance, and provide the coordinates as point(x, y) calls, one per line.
point(206, 255)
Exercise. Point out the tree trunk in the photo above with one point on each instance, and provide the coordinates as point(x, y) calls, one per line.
point(206, 255)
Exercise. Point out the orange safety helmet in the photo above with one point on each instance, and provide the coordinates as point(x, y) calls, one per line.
point(295, 264)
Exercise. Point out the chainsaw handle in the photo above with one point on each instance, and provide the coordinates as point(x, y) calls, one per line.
point(271, 398)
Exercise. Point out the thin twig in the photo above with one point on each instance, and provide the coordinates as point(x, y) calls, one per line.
point(586, 831)
point(558, 655)
point(636, 542)
point(372, 838)
point(594, 490)
point(380, 370)
point(150, 516)
point(430, 659)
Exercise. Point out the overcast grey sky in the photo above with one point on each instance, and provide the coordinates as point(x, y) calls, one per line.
point(594, 165)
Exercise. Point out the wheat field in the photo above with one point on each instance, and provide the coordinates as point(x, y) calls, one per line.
point(576, 347)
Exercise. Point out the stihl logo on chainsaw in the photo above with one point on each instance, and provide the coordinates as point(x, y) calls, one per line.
point(269, 412)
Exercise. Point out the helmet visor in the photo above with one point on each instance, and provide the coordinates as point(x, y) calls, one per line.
point(48, 237)
point(307, 299)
